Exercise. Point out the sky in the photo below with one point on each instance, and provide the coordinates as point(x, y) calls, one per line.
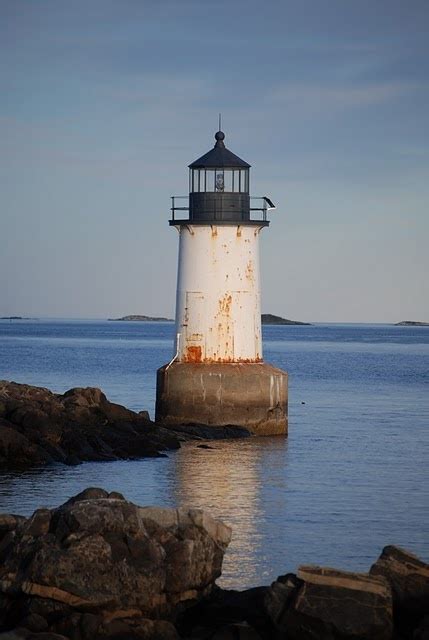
point(105, 103)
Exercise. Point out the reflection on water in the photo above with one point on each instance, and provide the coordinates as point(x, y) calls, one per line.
point(315, 498)
point(351, 477)
point(227, 482)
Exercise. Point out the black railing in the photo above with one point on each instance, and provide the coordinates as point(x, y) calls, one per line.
point(266, 206)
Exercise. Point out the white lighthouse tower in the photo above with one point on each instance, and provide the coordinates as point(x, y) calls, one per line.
point(217, 376)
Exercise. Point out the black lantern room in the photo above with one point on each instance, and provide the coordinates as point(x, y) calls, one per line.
point(219, 190)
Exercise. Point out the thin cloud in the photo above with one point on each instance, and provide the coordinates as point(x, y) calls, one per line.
point(315, 98)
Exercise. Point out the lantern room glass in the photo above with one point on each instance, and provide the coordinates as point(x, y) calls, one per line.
point(221, 180)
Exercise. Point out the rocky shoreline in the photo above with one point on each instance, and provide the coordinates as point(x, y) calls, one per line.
point(38, 427)
point(100, 567)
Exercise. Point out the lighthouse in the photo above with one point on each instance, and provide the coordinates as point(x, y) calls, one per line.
point(217, 375)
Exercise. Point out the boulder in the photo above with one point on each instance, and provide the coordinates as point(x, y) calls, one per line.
point(328, 604)
point(100, 566)
point(38, 427)
point(408, 577)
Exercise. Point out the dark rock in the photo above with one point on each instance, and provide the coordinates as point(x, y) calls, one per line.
point(409, 580)
point(46, 635)
point(19, 633)
point(329, 604)
point(100, 565)
point(115, 495)
point(38, 524)
point(279, 597)
point(38, 427)
point(225, 608)
point(91, 493)
point(16, 448)
point(140, 629)
point(9, 522)
point(34, 622)
point(204, 432)
point(422, 631)
point(236, 631)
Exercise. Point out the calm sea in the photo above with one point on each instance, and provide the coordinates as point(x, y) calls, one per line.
point(351, 478)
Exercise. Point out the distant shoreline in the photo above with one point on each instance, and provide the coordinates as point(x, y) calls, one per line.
point(411, 323)
point(137, 318)
point(269, 318)
point(266, 318)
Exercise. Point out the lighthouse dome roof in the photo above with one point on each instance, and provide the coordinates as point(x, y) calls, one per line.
point(219, 156)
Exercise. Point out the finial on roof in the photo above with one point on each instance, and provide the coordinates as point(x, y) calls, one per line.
point(219, 137)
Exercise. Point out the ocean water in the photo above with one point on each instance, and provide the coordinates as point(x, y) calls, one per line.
point(351, 477)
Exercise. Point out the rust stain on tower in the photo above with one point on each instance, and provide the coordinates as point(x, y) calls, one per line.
point(193, 354)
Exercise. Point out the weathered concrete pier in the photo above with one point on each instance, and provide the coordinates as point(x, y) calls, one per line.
point(217, 375)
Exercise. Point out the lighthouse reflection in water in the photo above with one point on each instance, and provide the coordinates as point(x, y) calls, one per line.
point(238, 471)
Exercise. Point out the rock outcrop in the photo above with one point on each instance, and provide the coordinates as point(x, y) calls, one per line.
point(326, 603)
point(408, 578)
point(39, 427)
point(99, 566)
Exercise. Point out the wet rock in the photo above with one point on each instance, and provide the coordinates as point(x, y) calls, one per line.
point(408, 577)
point(39, 427)
point(99, 566)
point(205, 432)
point(329, 604)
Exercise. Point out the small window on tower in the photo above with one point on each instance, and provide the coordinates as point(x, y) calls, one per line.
point(195, 175)
point(227, 179)
point(220, 185)
point(244, 187)
point(210, 180)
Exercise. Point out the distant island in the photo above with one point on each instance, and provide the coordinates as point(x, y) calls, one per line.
point(411, 323)
point(269, 318)
point(14, 318)
point(137, 318)
point(266, 318)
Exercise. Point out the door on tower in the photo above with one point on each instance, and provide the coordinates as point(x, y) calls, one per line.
point(195, 321)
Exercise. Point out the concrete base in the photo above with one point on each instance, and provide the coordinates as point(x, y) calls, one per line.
point(251, 395)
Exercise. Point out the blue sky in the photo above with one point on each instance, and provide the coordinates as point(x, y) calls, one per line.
point(105, 103)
